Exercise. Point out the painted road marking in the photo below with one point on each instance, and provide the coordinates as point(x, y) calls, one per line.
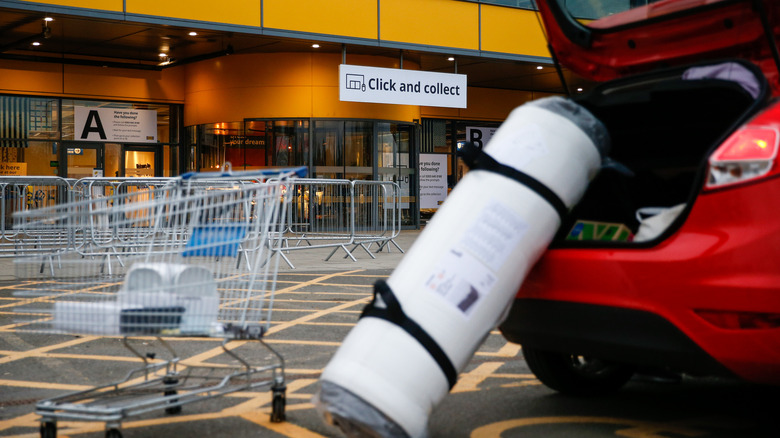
point(635, 429)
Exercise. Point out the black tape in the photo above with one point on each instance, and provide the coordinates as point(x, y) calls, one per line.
point(392, 312)
point(476, 158)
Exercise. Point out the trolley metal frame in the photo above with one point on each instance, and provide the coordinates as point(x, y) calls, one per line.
point(182, 277)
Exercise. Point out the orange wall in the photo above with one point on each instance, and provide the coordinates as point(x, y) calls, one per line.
point(484, 104)
point(242, 12)
point(294, 85)
point(19, 77)
point(443, 23)
point(235, 87)
point(510, 30)
point(352, 18)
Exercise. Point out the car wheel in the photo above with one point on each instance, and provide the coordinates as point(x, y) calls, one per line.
point(577, 375)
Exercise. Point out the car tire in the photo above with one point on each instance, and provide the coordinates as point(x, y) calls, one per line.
point(577, 375)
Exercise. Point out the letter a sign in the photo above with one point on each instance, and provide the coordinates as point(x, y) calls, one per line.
point(93, 124)
point(122, 125)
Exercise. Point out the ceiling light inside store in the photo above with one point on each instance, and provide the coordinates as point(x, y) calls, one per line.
point(48, 19)
point(539, 67)
point(579, 89)
point(36, 43)
point(193, 33)
point(163, 55)
point(315, 46)
point(450, 58)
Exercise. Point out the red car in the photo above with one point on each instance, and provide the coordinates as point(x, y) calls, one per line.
point(671, 261)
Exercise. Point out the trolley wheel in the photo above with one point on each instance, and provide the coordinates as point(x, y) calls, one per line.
point(277, 407)
point(173, 410)
point(113, 433)
point(49, 429)
point(168, 392)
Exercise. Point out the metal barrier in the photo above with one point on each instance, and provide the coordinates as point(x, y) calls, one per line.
point(114, 203)
point(375, 217)
point(28, 193)
point(88, 188)
point(338, 214)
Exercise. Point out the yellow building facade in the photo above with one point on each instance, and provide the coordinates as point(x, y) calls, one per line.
point(255, 83)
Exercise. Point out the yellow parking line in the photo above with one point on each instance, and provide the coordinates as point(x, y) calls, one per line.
point(318, 314)
point(284, 428)
point(249, 409)
point(43, 385)
point(81, 356)
point(508, 350)
point(636, 429)
point(21, 421)
point(469, 382)
point(199, 358)
point(37, 351)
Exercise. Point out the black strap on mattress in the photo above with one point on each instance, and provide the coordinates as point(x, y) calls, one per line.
point(392, 312)
point(476, 158)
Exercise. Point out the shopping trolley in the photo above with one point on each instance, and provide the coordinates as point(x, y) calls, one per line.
point(196, 258)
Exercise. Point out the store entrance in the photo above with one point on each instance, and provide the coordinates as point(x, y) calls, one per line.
point(397, 163)
point(111, 160)
point(84, 160)
point(140, 161)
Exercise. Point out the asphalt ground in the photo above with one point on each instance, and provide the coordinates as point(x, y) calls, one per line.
point(316, 305)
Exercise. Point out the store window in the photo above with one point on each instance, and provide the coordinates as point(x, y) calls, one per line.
point(331, 149)
point(38, 138)
point(123, 139)
point(28, 127)
point(396, 162)
point(445, 136)
point(328, 151)
point(290, 140)
point(252, 144)
point(359, 150)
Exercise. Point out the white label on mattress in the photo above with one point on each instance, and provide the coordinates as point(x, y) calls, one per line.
point(494, 234)
point(466, 273)
point(517, 149)
point(461, 280)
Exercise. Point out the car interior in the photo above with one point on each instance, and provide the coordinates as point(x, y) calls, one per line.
point(662, 128)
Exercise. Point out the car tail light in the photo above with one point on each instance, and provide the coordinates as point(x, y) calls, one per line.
point(747, 155)
point(740, 320)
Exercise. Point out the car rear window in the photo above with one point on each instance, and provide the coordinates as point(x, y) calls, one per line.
point(604, 14)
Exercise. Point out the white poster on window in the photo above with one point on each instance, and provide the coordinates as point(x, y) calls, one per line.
point(479, 136)
point(433, 180)
point(122, 125)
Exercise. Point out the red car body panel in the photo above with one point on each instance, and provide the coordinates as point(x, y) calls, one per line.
point(725, 256)
point(718, 260)
point(719, 29)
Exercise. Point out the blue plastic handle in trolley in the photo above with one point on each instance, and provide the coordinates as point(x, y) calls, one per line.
point(300, 172)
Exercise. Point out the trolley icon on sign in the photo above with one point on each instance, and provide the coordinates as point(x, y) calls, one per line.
point(356, 82)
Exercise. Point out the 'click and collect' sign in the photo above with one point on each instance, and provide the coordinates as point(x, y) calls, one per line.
point(405, 87)
point(115, 124)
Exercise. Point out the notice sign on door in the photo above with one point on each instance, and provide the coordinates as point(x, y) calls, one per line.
point(433, 180)
point(404, 87)
point(123, 125)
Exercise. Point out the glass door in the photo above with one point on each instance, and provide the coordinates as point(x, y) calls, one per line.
point(140, 161)
point(83, 160)
point(397, 163)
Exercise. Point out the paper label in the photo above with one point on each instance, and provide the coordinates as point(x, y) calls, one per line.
point(467, 272)
point(461, 280)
